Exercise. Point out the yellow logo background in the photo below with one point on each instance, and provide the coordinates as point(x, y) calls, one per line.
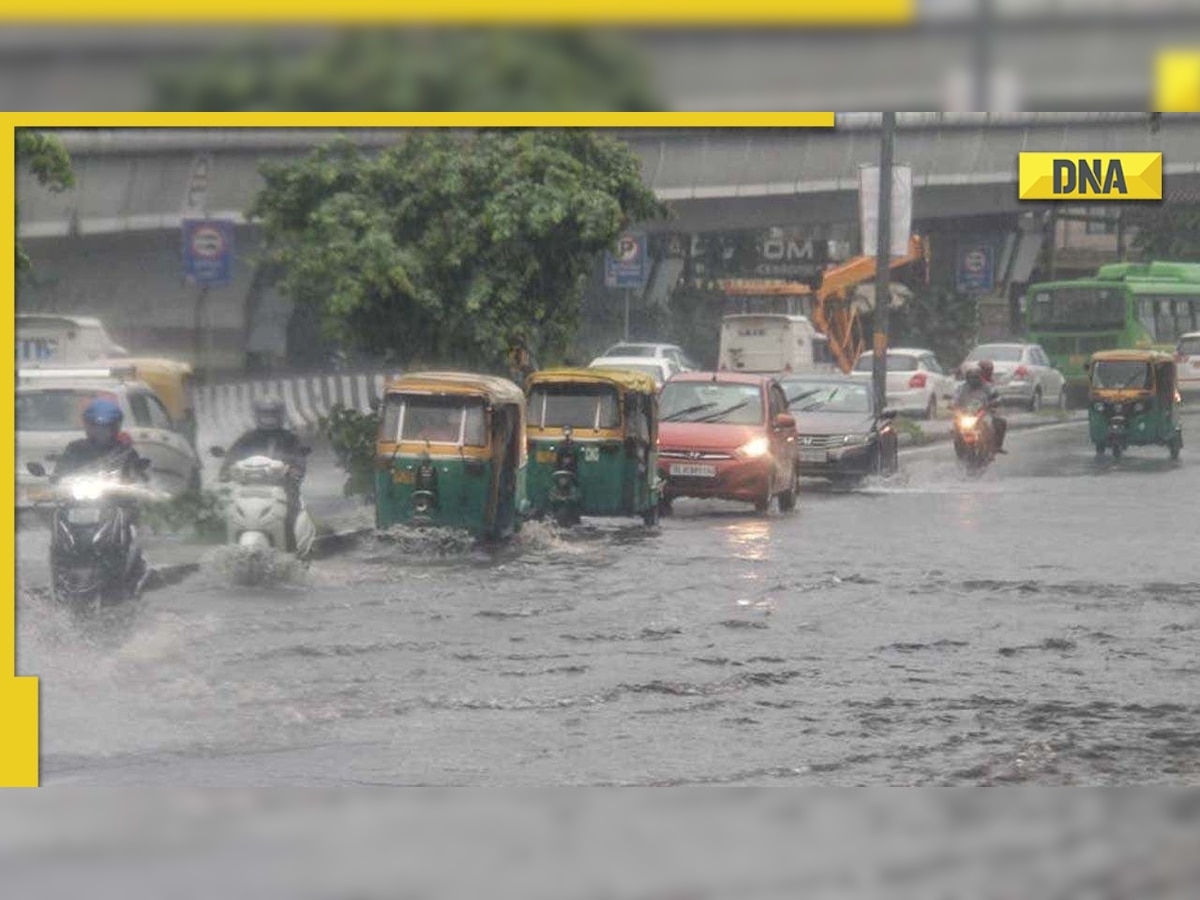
point(1142, 173)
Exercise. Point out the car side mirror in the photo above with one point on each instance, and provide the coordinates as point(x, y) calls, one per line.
point(36, 468)
point(217, 451)
point(888, 414)
point(785, 422)
point(1087, 367)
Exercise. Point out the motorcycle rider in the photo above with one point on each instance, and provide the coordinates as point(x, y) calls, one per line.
point(975, 390)
point(271, 438)
point(987, 370)
point(105, 445)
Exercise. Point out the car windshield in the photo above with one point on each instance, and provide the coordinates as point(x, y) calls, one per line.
point(704, 401)
point(995, 354)
point(439, 420)
point(896, 362)
point(1113, 374)
point(839, 397)
point(55, 409)
point(1189, 347)
point(580, 406)
point(631, 350)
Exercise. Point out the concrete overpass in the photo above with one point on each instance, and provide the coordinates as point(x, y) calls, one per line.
point(111, 245)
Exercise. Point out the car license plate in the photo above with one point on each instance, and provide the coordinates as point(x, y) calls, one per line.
point(812, 456)
point(83, 515)
point(693, 471)
point(404, 476)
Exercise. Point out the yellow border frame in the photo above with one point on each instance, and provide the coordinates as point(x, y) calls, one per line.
point(463, 12)
point(19, 696)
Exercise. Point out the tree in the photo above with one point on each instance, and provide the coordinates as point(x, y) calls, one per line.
point(47, 159)
point(419, 70)
point(1167, 231)
point(447, 246)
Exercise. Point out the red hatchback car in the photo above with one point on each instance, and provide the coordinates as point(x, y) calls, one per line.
point(727, 435)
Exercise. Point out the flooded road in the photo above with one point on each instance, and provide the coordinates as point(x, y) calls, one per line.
point(1039, 625)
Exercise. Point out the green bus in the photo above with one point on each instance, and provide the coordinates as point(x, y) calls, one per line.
point(1144, 306)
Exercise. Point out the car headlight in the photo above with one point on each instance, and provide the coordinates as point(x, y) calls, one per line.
point(850, 439)
point(755, 448)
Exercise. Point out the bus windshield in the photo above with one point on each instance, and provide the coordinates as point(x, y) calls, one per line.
point(1083, 308)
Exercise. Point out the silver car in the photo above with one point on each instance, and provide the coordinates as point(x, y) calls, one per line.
point(1023, 374)
point(673, 353)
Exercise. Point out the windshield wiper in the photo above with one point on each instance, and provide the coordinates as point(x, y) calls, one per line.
point(723, 412)
point(688, 410)
point(802, 395)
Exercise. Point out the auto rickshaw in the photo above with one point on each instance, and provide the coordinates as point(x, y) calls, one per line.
point(1133, 400)
point(172, 382)
point(451, 453)
point(593, 436)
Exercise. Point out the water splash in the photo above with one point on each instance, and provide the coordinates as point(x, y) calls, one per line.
point(427, 542)
point(254, 566)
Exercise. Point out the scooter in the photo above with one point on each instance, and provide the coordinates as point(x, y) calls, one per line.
point(257, 506)
point(974, 438)
point(95, 557)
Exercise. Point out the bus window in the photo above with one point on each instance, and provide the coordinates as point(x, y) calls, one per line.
point(1164, 324)
point(1145, 308)
point(1183, 315)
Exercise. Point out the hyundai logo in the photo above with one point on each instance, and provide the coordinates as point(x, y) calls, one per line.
point(693, 454)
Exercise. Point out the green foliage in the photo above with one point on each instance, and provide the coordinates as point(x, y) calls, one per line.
point(440, 249)
point(352, 436)
point(47, 159)
point(199, 515)
point(1167, 232)
point(440, 69)
point(937, 319)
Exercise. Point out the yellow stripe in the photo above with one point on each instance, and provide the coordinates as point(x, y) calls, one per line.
point(580, 435)
point(662, 12)
point(386, 449)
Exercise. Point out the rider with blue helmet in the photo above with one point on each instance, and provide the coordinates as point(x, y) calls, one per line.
point(105, 447)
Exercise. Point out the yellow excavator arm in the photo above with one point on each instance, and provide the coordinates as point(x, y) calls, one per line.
point(833, 313)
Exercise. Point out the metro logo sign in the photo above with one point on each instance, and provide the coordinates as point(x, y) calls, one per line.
point(1095, 176)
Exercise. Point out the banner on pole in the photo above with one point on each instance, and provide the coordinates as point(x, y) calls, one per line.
point(868, 209)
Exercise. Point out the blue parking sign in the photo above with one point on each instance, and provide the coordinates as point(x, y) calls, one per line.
point(627, 267)
point(207, 252)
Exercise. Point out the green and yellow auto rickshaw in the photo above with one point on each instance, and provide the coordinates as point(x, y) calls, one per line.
point(451, 453)
point(593, 435)
point(1133, 400)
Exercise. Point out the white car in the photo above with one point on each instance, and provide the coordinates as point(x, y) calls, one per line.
point(1022, 374)
point(49, 407)
point(916, 382)
point(660, 368)
point(1187, 362)
point(51, 339)
point(672, 352)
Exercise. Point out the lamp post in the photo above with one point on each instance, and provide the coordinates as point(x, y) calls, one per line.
point(883, 260)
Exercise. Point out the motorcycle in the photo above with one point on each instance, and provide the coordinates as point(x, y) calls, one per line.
point(95, 557)
point(257, 506)
point(974, 437)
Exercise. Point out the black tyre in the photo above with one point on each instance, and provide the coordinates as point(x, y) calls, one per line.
point(787, 499)
point(1035, 402)
point(1117, 450)
point(930, 408)
point(1100, 448)
point(650, 515)
point(1175, 446)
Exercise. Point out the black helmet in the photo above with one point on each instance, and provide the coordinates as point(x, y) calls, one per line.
point(269, 412)
point(974, 377)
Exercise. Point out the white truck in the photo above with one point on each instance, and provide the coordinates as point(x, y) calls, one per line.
point(52, 339)
point(769, 342)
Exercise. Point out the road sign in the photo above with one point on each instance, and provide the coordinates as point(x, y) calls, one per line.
point(627, 267)
point(868, 209)
point(976, 269)
point(207, 252)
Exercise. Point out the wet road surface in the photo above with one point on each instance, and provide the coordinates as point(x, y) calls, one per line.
point(1038, 625)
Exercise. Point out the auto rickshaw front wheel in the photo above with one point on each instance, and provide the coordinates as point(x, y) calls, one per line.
point(650, 514)
point(1100, 448)
point(1117, 450)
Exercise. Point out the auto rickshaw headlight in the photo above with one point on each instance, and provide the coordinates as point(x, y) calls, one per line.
point(1138, 407)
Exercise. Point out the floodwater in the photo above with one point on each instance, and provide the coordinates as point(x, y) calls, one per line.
point(1038, 625)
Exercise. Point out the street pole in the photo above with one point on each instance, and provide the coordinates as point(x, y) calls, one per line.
point(883, 260)
point(628, 291)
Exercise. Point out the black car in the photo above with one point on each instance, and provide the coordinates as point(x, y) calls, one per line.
point(843, 436)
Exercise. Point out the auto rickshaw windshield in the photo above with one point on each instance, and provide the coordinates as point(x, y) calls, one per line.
point(1122, 375)
point(439, 420)
point(577, 405)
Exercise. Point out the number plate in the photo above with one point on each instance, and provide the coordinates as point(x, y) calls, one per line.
point(690, 470)
point(83, 515)
point(404, 476)
point(545, 456)
point(812, 456)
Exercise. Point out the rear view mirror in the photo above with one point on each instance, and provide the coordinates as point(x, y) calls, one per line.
point(36, 468)
point(785, 422)
point(888, 414)
point(217, 451)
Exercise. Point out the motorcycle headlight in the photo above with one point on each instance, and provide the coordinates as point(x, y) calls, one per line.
point(87, 489)
point(755, 448)
point(968, 421)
